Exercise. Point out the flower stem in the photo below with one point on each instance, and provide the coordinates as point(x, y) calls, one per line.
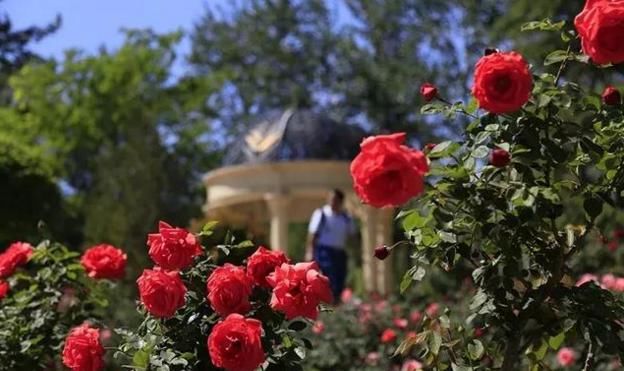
point(563, 65)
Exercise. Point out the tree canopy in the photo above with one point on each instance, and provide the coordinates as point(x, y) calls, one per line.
point(119, 132)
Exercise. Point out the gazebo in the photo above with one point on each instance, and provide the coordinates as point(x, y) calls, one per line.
point(282, 169)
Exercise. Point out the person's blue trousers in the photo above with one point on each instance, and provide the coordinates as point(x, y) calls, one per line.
point(333, 264)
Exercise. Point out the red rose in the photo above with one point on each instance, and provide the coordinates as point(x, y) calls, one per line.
point(499, 157)
point(16, 255)
point(502, 82)
point(83, 350)
point(298, 289)
point(566, 356)
point(4, 289)
point(162, 293)
point(601, 26)
point(478, 332)
point(262, 263)
point(173, 248)
point(388, 173)
point(613, 245)
point(235, 344)
point(228, 290)
point(611, 96)
point(318, 327)
point(104, 261)
point(346, 295)
point(428, 91)
point(432, 310)
point(388, 336)
point(400, 323)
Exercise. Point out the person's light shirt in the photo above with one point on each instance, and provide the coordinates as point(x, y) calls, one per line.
point(335, 230)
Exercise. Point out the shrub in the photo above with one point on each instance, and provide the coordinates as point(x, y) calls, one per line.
point(220, 308)
point(47, 293)
point(505, 200)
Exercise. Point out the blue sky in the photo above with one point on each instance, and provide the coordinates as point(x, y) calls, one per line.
point(88, 24)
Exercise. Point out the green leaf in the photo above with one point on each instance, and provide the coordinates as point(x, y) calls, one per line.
point(433, 108)
point(476, 350)
point(414, 220)
point(141, 358)
point(300, 352)
point(543, 25)
point(456, 367)
point(444, 149)
point(555, 341)
point(435, 342)
point(447, 237)
point(415, 273)
point(208, 228)
point(480, 152)
point(557, 56)
point(593, 206)
point(297, 325)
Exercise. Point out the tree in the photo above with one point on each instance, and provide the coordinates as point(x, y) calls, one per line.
point(366, 70)
point(116, 129)
point(28, 193)
point(272, 54)
point(14, 51)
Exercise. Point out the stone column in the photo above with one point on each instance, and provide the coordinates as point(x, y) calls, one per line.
point(278, 209)
point(368, 217)
point(377, 230)
point(385, 273)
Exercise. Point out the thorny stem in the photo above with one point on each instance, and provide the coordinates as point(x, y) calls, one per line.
point(463, 111)
point(563, 65)
point(589, 359)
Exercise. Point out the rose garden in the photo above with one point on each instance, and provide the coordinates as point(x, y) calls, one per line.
point(507, 242)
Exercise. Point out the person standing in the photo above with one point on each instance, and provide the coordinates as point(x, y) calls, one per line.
point(329, 229)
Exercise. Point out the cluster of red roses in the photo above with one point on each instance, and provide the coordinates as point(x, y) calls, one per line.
point(388, 174)
point(15, 256)
point(235, 342)
point(83, 349)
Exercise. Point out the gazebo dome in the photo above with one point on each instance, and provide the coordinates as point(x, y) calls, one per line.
point(295, 135)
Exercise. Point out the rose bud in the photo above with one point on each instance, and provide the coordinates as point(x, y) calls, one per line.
point(382, 252)
point(429, 147)
point(428, 91)
point(499, 157)
point(489, 51)
point(611, 96)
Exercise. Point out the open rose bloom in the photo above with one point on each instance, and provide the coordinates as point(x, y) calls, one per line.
point(601, 26)
point(299, 289)
point(173, 248)
point(83, 350)
point(15, 256)
point(104, 261)
point(386, 172)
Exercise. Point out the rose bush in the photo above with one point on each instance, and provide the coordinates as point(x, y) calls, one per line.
point(222, 308)
point(519, 220)
point(45, 292)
